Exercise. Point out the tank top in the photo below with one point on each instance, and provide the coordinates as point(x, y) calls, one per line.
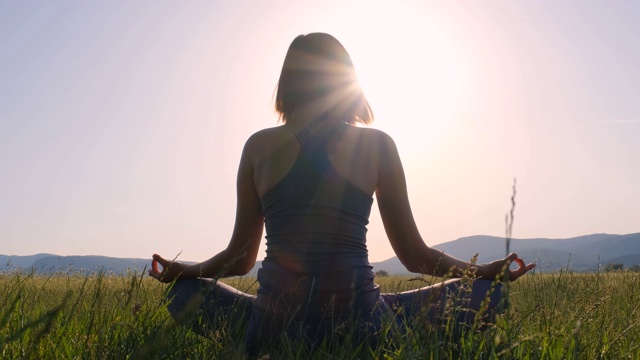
point(316, 262)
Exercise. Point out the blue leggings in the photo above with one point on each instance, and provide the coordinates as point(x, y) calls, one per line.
point(205, 306)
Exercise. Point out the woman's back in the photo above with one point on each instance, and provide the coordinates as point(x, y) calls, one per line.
point(316, 188)
point(353, 152)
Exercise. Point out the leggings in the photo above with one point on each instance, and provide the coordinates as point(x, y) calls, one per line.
point(205, 305)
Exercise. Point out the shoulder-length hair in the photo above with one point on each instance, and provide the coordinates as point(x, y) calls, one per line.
point(318, 74)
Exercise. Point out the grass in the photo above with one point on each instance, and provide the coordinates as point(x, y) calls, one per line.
point(552, 316)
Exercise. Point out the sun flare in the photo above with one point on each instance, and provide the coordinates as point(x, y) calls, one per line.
point(409, 70)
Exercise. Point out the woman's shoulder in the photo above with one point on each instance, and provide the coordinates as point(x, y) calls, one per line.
point(372, 136)
point(268, 139)
point(269, 135)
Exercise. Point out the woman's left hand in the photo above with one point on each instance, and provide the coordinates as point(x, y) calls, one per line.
point(499, 269)
point(171, 270)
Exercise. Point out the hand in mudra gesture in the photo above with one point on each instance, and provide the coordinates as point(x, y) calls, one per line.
point(500, 268)
point(171, 270)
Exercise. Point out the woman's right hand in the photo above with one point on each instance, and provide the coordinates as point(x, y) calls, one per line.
point(171, 270)
point(499, 269)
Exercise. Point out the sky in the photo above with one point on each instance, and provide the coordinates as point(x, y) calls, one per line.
point(122, 122)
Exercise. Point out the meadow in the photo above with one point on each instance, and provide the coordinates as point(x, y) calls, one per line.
point(552, 316)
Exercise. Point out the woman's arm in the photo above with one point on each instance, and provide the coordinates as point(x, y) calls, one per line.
point(241, 253)
point(403, 234)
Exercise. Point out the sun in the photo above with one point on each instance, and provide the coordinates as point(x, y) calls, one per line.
point(409, 69)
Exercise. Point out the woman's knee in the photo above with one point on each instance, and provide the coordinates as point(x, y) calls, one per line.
point(488, 299)
point(207, 300)
point(489, 291)
point(183, 295)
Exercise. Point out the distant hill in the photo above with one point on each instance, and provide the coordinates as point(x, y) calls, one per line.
point(13, 261)
point(626, 260)
point(89, 264)
point(48, 263)
point(578, 253)
point(583, 253)
point(393, 266)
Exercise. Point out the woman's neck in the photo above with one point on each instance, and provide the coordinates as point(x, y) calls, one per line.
point(313, 124)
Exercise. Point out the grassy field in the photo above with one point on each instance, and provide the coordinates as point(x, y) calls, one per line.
point(552, 316)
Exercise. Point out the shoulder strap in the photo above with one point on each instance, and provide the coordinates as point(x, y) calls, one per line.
point(320, 137)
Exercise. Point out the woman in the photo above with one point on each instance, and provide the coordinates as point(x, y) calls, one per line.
point(310, 183)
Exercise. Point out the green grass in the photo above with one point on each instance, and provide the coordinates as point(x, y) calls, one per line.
point(552, 316)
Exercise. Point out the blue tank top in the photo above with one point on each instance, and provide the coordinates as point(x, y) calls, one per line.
point(316, 260)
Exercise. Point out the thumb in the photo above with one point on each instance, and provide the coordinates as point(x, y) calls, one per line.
point(164, 262)
point(157, 259)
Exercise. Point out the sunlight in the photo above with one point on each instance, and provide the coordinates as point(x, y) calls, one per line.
point(410, 70)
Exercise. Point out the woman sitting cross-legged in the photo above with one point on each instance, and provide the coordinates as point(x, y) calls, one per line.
point(310, 183)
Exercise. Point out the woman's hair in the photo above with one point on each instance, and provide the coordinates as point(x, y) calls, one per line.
point(318, 72)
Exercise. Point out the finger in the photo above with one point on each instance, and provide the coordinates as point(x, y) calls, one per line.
point(511, 258)
point(520, 263)
point(153, 274)
point(526, 268)
point(160, 259)
point(154, 266)
point(522, 269)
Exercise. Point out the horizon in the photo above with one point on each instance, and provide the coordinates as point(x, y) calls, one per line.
point(392, 256)
point(586, 253)
point(121, 124)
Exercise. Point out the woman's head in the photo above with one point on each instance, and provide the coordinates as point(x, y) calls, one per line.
point(318, 77)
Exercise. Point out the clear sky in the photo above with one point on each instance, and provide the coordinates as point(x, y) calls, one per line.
point(122, 122)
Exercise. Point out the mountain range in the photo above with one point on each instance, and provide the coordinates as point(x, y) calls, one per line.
point(583, 253)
